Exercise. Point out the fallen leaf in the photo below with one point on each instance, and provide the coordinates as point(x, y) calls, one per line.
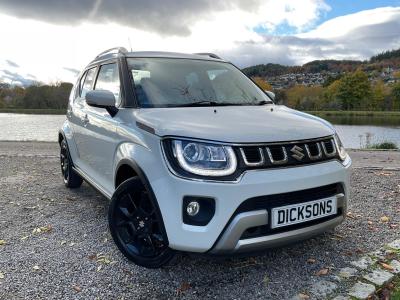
point(384, 173)
point(2, 275)
point(337, 237)
point(183, 288)
point(77, 288)
point(42, 229)
point(359, 251)
point(391, 255)
point(386, 266)
point(92, 256)
point(323, 271)
point(2, 242)
point(311, 260)
point(24, 237)
point(36, 268)
point(63, 243)
point(303, 296)
point(99, 268)
point(385, 219)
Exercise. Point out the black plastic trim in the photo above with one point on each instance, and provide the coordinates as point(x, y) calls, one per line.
point(140, 173)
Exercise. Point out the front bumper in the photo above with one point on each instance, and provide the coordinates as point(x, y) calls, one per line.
point(231, 240)
point(170, 191)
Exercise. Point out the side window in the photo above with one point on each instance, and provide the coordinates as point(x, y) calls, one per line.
point(87, 83)
point(108, 79)
point(79, 93)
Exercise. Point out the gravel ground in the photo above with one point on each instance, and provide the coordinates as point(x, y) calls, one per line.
point(73, 256)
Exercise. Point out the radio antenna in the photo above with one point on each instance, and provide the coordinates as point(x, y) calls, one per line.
point(130, 45)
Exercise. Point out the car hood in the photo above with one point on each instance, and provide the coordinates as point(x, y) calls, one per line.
point(235, 124)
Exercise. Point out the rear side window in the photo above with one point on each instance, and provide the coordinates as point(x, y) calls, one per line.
point(88, 82)
point(81, 84)
point(108, 79)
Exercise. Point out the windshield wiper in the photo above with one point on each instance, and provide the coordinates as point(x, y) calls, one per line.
point(264, 102)
point(207, 103)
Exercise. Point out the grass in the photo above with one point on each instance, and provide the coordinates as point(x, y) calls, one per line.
point(34, 111)
point(384, 145)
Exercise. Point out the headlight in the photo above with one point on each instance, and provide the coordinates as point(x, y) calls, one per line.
point(341, 151)
point(204, 159)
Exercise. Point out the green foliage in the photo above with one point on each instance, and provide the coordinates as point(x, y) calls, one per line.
point(305, 98)
point(354, 91)
point(266, 70)
point(386, 55)
point(384, 145)
point(330, 65)
point(36, 96)
point(396, 96)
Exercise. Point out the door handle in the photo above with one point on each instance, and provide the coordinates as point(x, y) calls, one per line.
point(85, 120)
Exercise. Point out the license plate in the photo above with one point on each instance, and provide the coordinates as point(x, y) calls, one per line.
point(303, 212)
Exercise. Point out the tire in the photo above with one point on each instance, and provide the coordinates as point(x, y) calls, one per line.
point(137, 227)
point(70, 177)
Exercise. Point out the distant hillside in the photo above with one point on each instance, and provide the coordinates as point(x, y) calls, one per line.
point(377, 62)
point(387, 55)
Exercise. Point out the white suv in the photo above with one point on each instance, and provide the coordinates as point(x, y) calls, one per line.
point(196, 157)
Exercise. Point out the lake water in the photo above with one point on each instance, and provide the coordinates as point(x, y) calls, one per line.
point(20, 127)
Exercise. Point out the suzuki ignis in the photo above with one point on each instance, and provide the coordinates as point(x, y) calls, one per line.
point(196, 157)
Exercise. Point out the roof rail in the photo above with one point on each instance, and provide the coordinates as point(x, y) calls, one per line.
point(110, 51)
point(212, 55)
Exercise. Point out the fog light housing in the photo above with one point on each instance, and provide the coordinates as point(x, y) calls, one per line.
point(193, 208)
point(197, 210)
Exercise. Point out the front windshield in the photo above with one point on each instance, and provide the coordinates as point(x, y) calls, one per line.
point(174, 82)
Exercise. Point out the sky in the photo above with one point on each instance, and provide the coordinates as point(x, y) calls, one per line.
point(52, 40)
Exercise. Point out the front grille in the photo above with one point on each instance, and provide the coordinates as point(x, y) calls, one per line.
point(286, 154)
point(270, 201)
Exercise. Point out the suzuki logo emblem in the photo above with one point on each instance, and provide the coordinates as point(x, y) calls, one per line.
point(297, 152)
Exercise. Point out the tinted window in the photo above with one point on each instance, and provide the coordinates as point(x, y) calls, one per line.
point(87, 84)
point(164, 82)
point(108, 79)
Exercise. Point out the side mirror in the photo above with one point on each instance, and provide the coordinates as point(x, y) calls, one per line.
point(270, 94)
point(103, 99)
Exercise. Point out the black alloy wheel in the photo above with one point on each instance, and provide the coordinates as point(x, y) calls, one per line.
point(70, 177)
point(136, 225)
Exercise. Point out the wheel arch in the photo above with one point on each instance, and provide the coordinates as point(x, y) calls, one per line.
point(61, 136)
point(132, 164)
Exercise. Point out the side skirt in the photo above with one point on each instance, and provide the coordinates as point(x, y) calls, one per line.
point(92, 183)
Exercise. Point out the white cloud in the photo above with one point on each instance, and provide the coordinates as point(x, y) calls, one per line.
point(49, 51)
point(356, 36)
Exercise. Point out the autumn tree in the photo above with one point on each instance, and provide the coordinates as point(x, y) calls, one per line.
point(262, 84)
point(395, 94)
point(354, 90)
point(378, 96)
point(305, 98)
